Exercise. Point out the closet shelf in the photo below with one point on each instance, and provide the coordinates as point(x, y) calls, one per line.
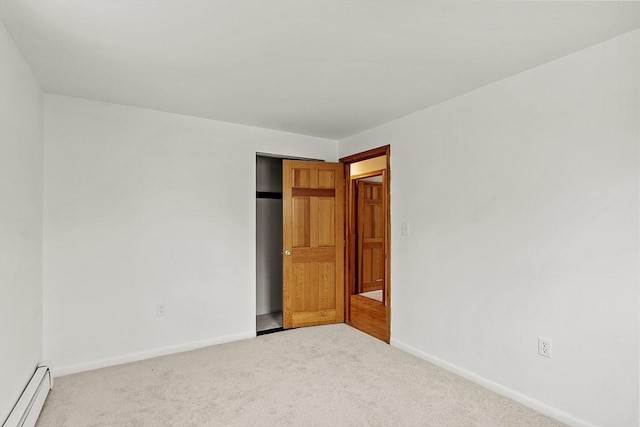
point(268, 195)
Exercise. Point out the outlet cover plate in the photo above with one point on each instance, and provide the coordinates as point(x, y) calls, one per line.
point(544, 347)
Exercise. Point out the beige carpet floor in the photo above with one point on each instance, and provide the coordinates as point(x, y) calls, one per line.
point(320, 376)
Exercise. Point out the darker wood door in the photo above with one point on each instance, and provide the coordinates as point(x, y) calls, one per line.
point(370, 236)
point(313, 243)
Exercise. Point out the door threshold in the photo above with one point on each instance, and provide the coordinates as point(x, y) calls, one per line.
point(269, 331)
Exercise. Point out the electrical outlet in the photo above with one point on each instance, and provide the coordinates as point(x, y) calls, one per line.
point(544, 347)
point(160, 310)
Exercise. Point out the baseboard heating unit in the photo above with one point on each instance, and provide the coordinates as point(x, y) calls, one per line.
point(27, 409)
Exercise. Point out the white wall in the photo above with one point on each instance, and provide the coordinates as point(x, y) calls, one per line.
point(523, 203)
point(21, 103)
point(144, 207)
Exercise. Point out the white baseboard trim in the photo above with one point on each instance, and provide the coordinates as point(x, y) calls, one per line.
point(59, 371)
point(527, 401)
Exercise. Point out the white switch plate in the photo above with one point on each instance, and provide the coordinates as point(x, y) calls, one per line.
point(405, 228)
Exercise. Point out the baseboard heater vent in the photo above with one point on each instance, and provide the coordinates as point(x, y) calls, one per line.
point(28, 408)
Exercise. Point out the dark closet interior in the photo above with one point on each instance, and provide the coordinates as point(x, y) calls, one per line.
point(268, 244)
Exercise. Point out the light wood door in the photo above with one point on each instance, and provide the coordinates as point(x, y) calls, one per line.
point(370, 237)
point(313, 243)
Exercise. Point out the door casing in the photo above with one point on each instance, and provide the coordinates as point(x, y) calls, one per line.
point(378, 319)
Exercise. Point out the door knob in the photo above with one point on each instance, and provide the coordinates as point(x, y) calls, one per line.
point(287, 253)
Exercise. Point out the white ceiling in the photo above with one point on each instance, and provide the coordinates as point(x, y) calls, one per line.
point(326, 68)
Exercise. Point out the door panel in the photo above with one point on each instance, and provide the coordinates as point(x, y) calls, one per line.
point(369, 316)
point(370, 222)
point(313, 239)
point(301, 220)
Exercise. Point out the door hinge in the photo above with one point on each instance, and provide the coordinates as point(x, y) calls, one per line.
point(344, 243)
point(344, 182)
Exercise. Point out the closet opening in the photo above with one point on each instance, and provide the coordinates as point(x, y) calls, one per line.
point(268, 244)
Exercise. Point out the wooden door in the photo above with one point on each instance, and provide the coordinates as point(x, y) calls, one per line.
point(313, 243)
point(370, 236)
